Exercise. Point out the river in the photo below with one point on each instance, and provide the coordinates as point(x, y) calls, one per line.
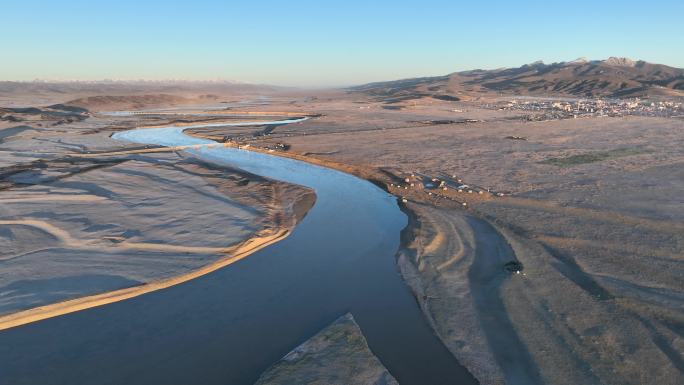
point(227, 327)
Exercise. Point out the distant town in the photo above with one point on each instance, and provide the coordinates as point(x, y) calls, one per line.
point(550, 109)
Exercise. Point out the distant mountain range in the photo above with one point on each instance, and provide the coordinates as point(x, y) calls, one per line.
point(613, 77)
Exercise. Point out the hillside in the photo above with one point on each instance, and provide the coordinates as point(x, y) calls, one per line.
point(613, 77)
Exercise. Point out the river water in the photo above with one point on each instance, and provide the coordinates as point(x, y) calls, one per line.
point(227, 327)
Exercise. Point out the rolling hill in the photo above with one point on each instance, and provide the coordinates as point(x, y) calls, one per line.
point(613, 77)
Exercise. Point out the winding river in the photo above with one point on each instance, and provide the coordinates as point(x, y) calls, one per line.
point(227, 327)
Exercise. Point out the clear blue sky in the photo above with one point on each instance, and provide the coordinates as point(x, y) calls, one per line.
point(322, 42)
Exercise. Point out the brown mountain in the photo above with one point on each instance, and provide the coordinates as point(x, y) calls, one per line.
point(614, 77)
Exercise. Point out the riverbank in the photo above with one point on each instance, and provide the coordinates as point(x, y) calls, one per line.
point(283, 218)
point(281, 297)
point(78, 230)
point(206, 148)
point(571, 312)
point(236, 253)
point(476, 354)
point(598, 241)
point(425, 256)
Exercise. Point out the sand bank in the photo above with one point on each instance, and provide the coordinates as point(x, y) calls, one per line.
point(238, 252)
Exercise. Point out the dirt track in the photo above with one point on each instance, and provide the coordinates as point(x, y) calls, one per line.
point(486, 275)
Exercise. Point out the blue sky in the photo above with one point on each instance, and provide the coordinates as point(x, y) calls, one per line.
point(321, 43)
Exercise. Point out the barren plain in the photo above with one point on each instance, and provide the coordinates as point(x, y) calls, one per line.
point(539, 251)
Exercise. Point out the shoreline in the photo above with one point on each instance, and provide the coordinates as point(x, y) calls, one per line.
point(246, 248)
point(299, 209)
point(241, 251)
point(294, 212)
point(377, 177)
point(407, 270)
